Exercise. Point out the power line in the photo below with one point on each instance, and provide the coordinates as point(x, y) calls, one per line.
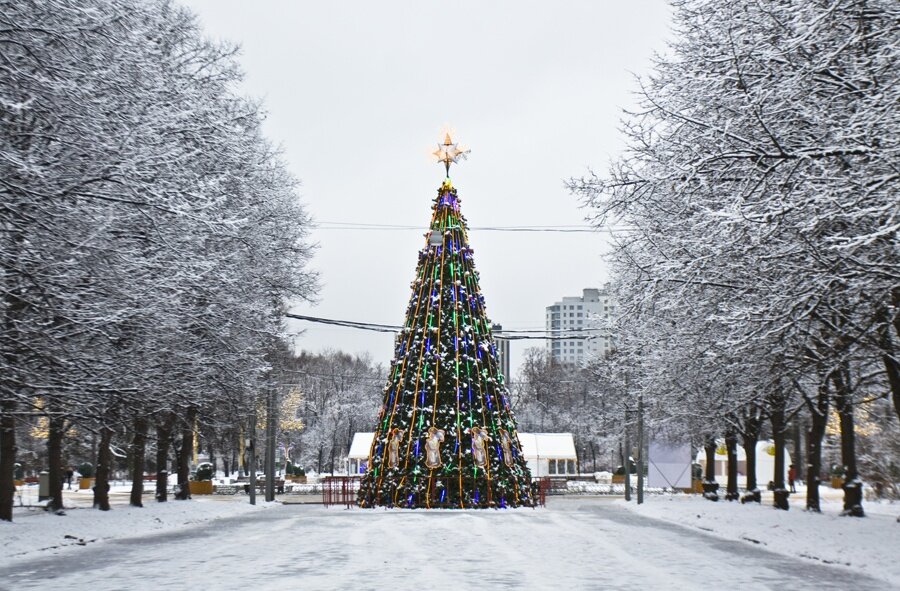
point(346, 323)
point(510, 335)
point(562, 229)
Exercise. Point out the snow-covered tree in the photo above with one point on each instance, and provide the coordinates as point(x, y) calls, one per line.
point(759, 192)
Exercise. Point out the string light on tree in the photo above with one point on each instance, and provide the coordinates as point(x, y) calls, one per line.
point(445, 435)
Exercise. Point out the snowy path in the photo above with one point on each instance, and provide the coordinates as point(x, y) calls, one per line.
point(573, 544)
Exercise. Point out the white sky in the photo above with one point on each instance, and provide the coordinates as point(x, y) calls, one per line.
point(357, 94)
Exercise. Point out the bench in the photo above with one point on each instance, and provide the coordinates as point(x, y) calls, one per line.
point(261, 486)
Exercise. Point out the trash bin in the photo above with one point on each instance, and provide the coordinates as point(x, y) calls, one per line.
point(43, 486)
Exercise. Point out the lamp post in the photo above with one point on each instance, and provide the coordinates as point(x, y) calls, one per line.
point(251, 461)
point(640, 453)
point(626, 453)
point(627, 447)
point(271, 423)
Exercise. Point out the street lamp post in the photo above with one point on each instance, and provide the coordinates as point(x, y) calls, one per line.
point(627, 450)
point(640, 453)
point(626, 460)
point(271, 421)
point(251, 448)
point(251, 462)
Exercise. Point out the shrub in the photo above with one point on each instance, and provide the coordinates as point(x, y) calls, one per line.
point(204, 471)
point(86, 469)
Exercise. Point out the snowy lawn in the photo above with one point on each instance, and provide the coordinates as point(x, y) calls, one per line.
point(869, 545)
point(34, 530)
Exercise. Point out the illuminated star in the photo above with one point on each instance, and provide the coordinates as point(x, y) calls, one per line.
point(448, 153)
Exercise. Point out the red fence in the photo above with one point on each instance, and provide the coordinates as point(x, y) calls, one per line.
point(340, 490)
point(547, 485)
point(343, 490)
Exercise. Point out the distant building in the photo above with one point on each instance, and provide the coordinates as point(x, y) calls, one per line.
point(580, 316)
point(502, 350)
point(547, 454)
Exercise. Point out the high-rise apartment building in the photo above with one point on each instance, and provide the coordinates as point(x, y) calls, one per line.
point(580, 316)
point(502, 350)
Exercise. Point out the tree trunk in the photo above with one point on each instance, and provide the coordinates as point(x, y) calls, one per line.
point(778, 427)
point(7, 459)
point(710, 486)
point(819, 417)
point(14, 306)
point(798, 431)
point(104, 464)
point(184, 456)
point(138, 452)
point(843, 403)
point(56, 427)
point(889, 357)
point(893, 371)
point(750, 438)
point(731, 490)
point(163, 443)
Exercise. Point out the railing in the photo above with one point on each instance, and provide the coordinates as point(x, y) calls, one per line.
point(340, 490)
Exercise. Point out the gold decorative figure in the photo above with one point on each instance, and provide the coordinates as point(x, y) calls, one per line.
point(506, 444)
point(479, 439)
point(433, 447)
point(394, 448)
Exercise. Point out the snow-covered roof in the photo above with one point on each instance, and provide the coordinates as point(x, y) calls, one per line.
point(547, 445)
point(534, 445)
point(359, 447)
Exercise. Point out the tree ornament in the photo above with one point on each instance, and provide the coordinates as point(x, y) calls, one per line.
point(479, 439)
point(433, 447)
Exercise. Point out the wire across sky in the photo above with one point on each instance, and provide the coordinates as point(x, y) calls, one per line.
point(564, 229)
point(512, 335)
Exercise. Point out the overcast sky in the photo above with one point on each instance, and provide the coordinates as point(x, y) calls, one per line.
point(357, 94)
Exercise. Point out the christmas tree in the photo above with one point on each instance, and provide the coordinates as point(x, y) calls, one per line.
point(446, 436)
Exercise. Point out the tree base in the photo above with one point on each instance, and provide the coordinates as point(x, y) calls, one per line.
point(781, 499)
point(853, 499)
point(710, 490)
point(752, 496)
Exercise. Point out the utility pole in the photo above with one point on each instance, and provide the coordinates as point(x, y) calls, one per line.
point(627, 450)
point(271, 422)
point(627, 461)
point(640, 454)
point(251, 448)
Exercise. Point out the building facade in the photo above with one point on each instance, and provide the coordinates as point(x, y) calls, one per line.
point(580, 317)
point(502, 350)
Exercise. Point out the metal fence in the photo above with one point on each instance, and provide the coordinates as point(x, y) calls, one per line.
point(340, 490)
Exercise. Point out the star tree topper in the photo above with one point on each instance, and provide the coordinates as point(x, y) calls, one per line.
point(448, 153)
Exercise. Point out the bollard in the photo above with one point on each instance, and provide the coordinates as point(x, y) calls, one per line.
point(44, 486)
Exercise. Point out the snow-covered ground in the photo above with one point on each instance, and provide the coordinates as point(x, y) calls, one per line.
point(576, 542)
point(869, 545)
point(34, 531)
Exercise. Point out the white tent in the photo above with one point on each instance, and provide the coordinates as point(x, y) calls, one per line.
point(547, 454)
